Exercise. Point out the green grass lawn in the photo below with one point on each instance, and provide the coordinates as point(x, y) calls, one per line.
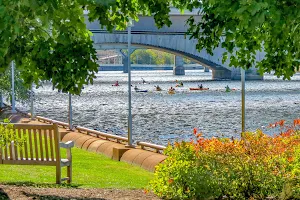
point(90, 170)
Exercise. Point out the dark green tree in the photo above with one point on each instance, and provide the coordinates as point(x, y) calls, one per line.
point(48, 40)
point(245, 27)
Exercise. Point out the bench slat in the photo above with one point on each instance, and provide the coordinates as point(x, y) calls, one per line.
point(11, 152)
point(51, 144)
point(41, 143)
point(18, 132)
point(30, 144)
point(35, 143)
point(46, 145)
point(26, 137)
point(33, 126)
point(5, 152)
point(15, 148)
point(30, 162)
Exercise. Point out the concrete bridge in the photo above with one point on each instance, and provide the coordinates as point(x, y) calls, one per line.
point(171, 39)
point(120, 67)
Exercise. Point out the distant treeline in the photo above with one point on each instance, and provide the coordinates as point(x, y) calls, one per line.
point(153, 57)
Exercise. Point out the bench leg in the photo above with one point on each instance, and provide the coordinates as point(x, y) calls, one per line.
point(58, 174)
point(69, 173)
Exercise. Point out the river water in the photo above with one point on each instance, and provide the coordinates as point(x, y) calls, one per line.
point(161, 118)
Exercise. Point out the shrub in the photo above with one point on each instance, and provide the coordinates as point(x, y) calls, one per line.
point(8, 135)
point(256, 166)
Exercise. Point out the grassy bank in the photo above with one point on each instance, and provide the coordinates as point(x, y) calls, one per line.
point(90, 170)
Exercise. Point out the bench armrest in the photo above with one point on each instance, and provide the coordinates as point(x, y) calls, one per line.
point(66, 145)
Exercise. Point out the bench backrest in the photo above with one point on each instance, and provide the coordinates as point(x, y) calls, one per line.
point(40, 147)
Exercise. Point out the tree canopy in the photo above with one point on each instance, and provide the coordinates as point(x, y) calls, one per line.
point(245, 27)
point(49, 41)
point(151, 56)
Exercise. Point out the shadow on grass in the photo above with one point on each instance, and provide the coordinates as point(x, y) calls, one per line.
point(41, 185)
point(3, 195)
point(52, 197)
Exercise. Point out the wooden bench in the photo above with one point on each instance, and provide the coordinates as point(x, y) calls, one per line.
point(41, 147)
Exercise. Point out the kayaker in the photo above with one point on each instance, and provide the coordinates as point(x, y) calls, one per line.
point(200, 86)
point(144, 82)
point(171, 89)
point(117, 83)
point(227, 89)
point(136, 88)
point(181, 83)
point(158, 88)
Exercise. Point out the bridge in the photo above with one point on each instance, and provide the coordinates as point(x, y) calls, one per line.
point(171, 39)
point(120, 67)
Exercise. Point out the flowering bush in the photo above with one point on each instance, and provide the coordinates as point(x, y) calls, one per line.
point(256, 166)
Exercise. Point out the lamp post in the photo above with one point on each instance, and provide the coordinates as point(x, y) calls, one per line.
point(70, 112)
point(130, 24)
point(31, 103)
point(13, 102)
point(1, 101)
point(243, 99)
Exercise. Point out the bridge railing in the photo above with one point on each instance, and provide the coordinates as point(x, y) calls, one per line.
point(50, 121)
point(98, 134)
point(150, 146)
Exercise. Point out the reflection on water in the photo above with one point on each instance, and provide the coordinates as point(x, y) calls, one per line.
point(159, 117)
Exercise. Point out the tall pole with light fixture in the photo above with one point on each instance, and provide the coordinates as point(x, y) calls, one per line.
point(243, 99)
point(130, 24)
point(70, 112)
point(31, 103)
point(13, 101)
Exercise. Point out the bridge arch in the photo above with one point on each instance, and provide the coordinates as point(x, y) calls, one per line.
point(173, 43)
point(199, 60)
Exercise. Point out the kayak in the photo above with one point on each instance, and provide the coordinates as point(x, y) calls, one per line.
point(171, 92)
point(141, 90)
point(230, 90)
point(179, 85)
point(199, 88)
point(115, 85)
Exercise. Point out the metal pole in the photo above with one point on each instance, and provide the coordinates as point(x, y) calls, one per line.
point(31, 103)
point(70, 112)
point(129, 87)
point(1, 101)
point(13, 103)
point(243, 99)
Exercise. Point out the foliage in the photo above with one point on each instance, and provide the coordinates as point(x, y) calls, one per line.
point(90, 170)
point(8, 135)
point(256, 166)
point(48, 40)
point(151, 56)
point(244, 28)
point(21, 90)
